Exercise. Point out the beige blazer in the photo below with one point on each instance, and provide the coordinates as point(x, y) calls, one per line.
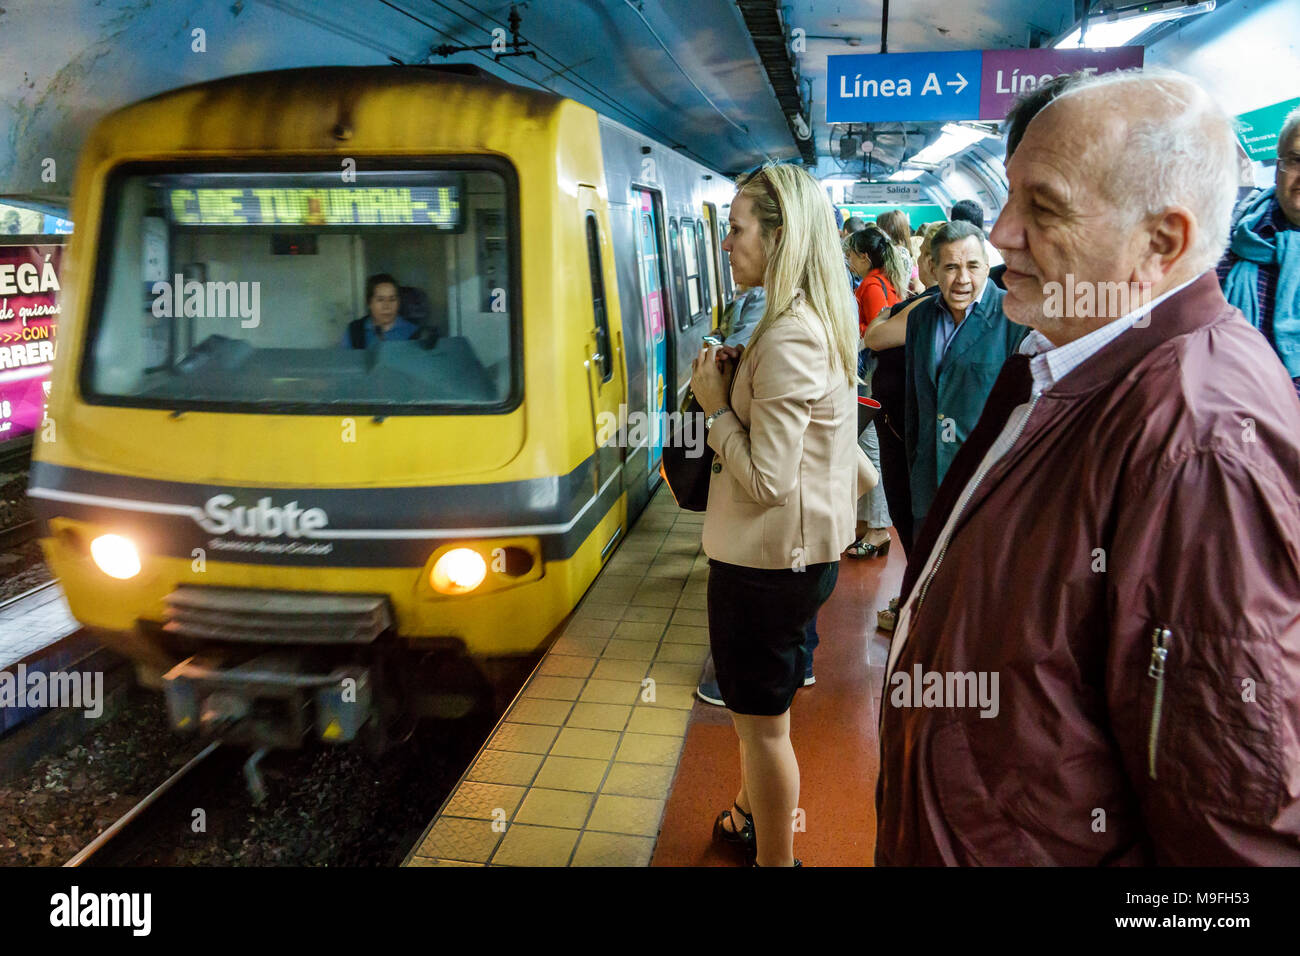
point(787, 471)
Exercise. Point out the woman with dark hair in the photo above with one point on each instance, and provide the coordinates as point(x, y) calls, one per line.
point(880, 265)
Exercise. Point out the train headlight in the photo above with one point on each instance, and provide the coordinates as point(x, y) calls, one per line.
point(116, 556)
point(459, 571)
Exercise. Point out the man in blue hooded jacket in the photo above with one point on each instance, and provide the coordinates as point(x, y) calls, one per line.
point(1260, 273)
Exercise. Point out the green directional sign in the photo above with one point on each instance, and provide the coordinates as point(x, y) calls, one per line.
point(1258, 129)
point(917, 213)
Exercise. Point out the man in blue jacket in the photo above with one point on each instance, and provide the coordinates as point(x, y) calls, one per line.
point(956, 344)
point(1260, 272)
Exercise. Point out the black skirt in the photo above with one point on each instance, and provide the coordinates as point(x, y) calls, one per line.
point(757, 620)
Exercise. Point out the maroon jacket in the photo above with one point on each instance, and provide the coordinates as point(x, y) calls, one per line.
point(1176, 451)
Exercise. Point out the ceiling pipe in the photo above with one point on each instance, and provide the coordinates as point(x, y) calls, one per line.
point(763, 21)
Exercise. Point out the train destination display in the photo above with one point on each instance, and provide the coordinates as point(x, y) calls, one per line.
point(436, 206)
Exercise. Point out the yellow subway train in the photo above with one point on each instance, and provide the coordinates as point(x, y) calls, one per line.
point(280, 510)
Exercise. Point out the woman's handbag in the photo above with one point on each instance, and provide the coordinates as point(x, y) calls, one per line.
point(867, 408)
point(687, 470)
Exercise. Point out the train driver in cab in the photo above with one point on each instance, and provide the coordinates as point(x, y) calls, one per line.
point(383, 320)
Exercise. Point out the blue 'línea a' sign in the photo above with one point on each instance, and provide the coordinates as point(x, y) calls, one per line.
point(903, 87)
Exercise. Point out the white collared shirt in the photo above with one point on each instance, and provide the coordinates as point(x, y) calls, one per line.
point(1048, 364)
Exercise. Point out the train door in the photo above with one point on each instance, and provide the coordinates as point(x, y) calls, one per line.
point(651, 270)
point(603, 351)
point(708, 236)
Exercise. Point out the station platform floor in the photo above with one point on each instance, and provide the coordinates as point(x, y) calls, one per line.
point(607, 758)
point(33, 621)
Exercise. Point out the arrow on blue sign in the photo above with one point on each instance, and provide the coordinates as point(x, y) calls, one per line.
point(903, 87)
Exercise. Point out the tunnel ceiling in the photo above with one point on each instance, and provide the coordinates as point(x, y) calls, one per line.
point(686, 72)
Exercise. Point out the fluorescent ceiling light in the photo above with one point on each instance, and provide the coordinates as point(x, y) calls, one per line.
point(1116, 28)
point(952, 140)
point(906, 175)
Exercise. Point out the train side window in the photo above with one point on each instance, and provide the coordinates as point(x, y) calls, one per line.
point(705, 253)
point(691, 253)
point(598, 299)
point(679, 271)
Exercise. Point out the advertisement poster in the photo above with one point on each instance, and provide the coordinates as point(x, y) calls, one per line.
point(29, 315)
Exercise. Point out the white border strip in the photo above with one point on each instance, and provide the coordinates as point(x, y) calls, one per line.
point(386, 534)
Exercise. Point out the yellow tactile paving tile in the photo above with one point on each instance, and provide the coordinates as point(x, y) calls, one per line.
point(600, 716)
point(555, 808)
point(483, 801)
point(665, 673)
point(554, 688)
point(526, 738)
point(649, 748)
point(602, 691)
point(639, 630)
point(572, 773)
point(671, 565)
point(580, 646)
point(613, 849)
point(470, 841)
point(618, 814)
point(658, 720)
point(676, 654)
point(579, 770)
point(560, 665)
point(658, 615)
point(639, 780)
point(629, 650)
point(643, 544)
point(616, 670)
point(676, 696)
point(505, 767)
point(425, 861)
point(657, 592)
point(599, 611)
point(686, 634)
point(580, 742)
point(533, 710)
point(536, 846)
point(590, 627)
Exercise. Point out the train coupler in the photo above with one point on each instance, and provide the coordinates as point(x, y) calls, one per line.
point(267, 701)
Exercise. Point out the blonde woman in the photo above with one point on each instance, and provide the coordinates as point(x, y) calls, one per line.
point(782, 423)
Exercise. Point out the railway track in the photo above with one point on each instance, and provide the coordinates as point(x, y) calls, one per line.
point(16, 458)
point(17, 535)
point(158, 820)
point(16, 455)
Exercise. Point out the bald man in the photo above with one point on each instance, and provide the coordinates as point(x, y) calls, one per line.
point(1097, 657)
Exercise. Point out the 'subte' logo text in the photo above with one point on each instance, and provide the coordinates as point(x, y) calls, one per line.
point(263, 520)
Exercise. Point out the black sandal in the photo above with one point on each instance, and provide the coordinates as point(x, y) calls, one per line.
point(744, 837)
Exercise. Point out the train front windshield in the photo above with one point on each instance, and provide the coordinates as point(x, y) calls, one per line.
point(246, 291)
